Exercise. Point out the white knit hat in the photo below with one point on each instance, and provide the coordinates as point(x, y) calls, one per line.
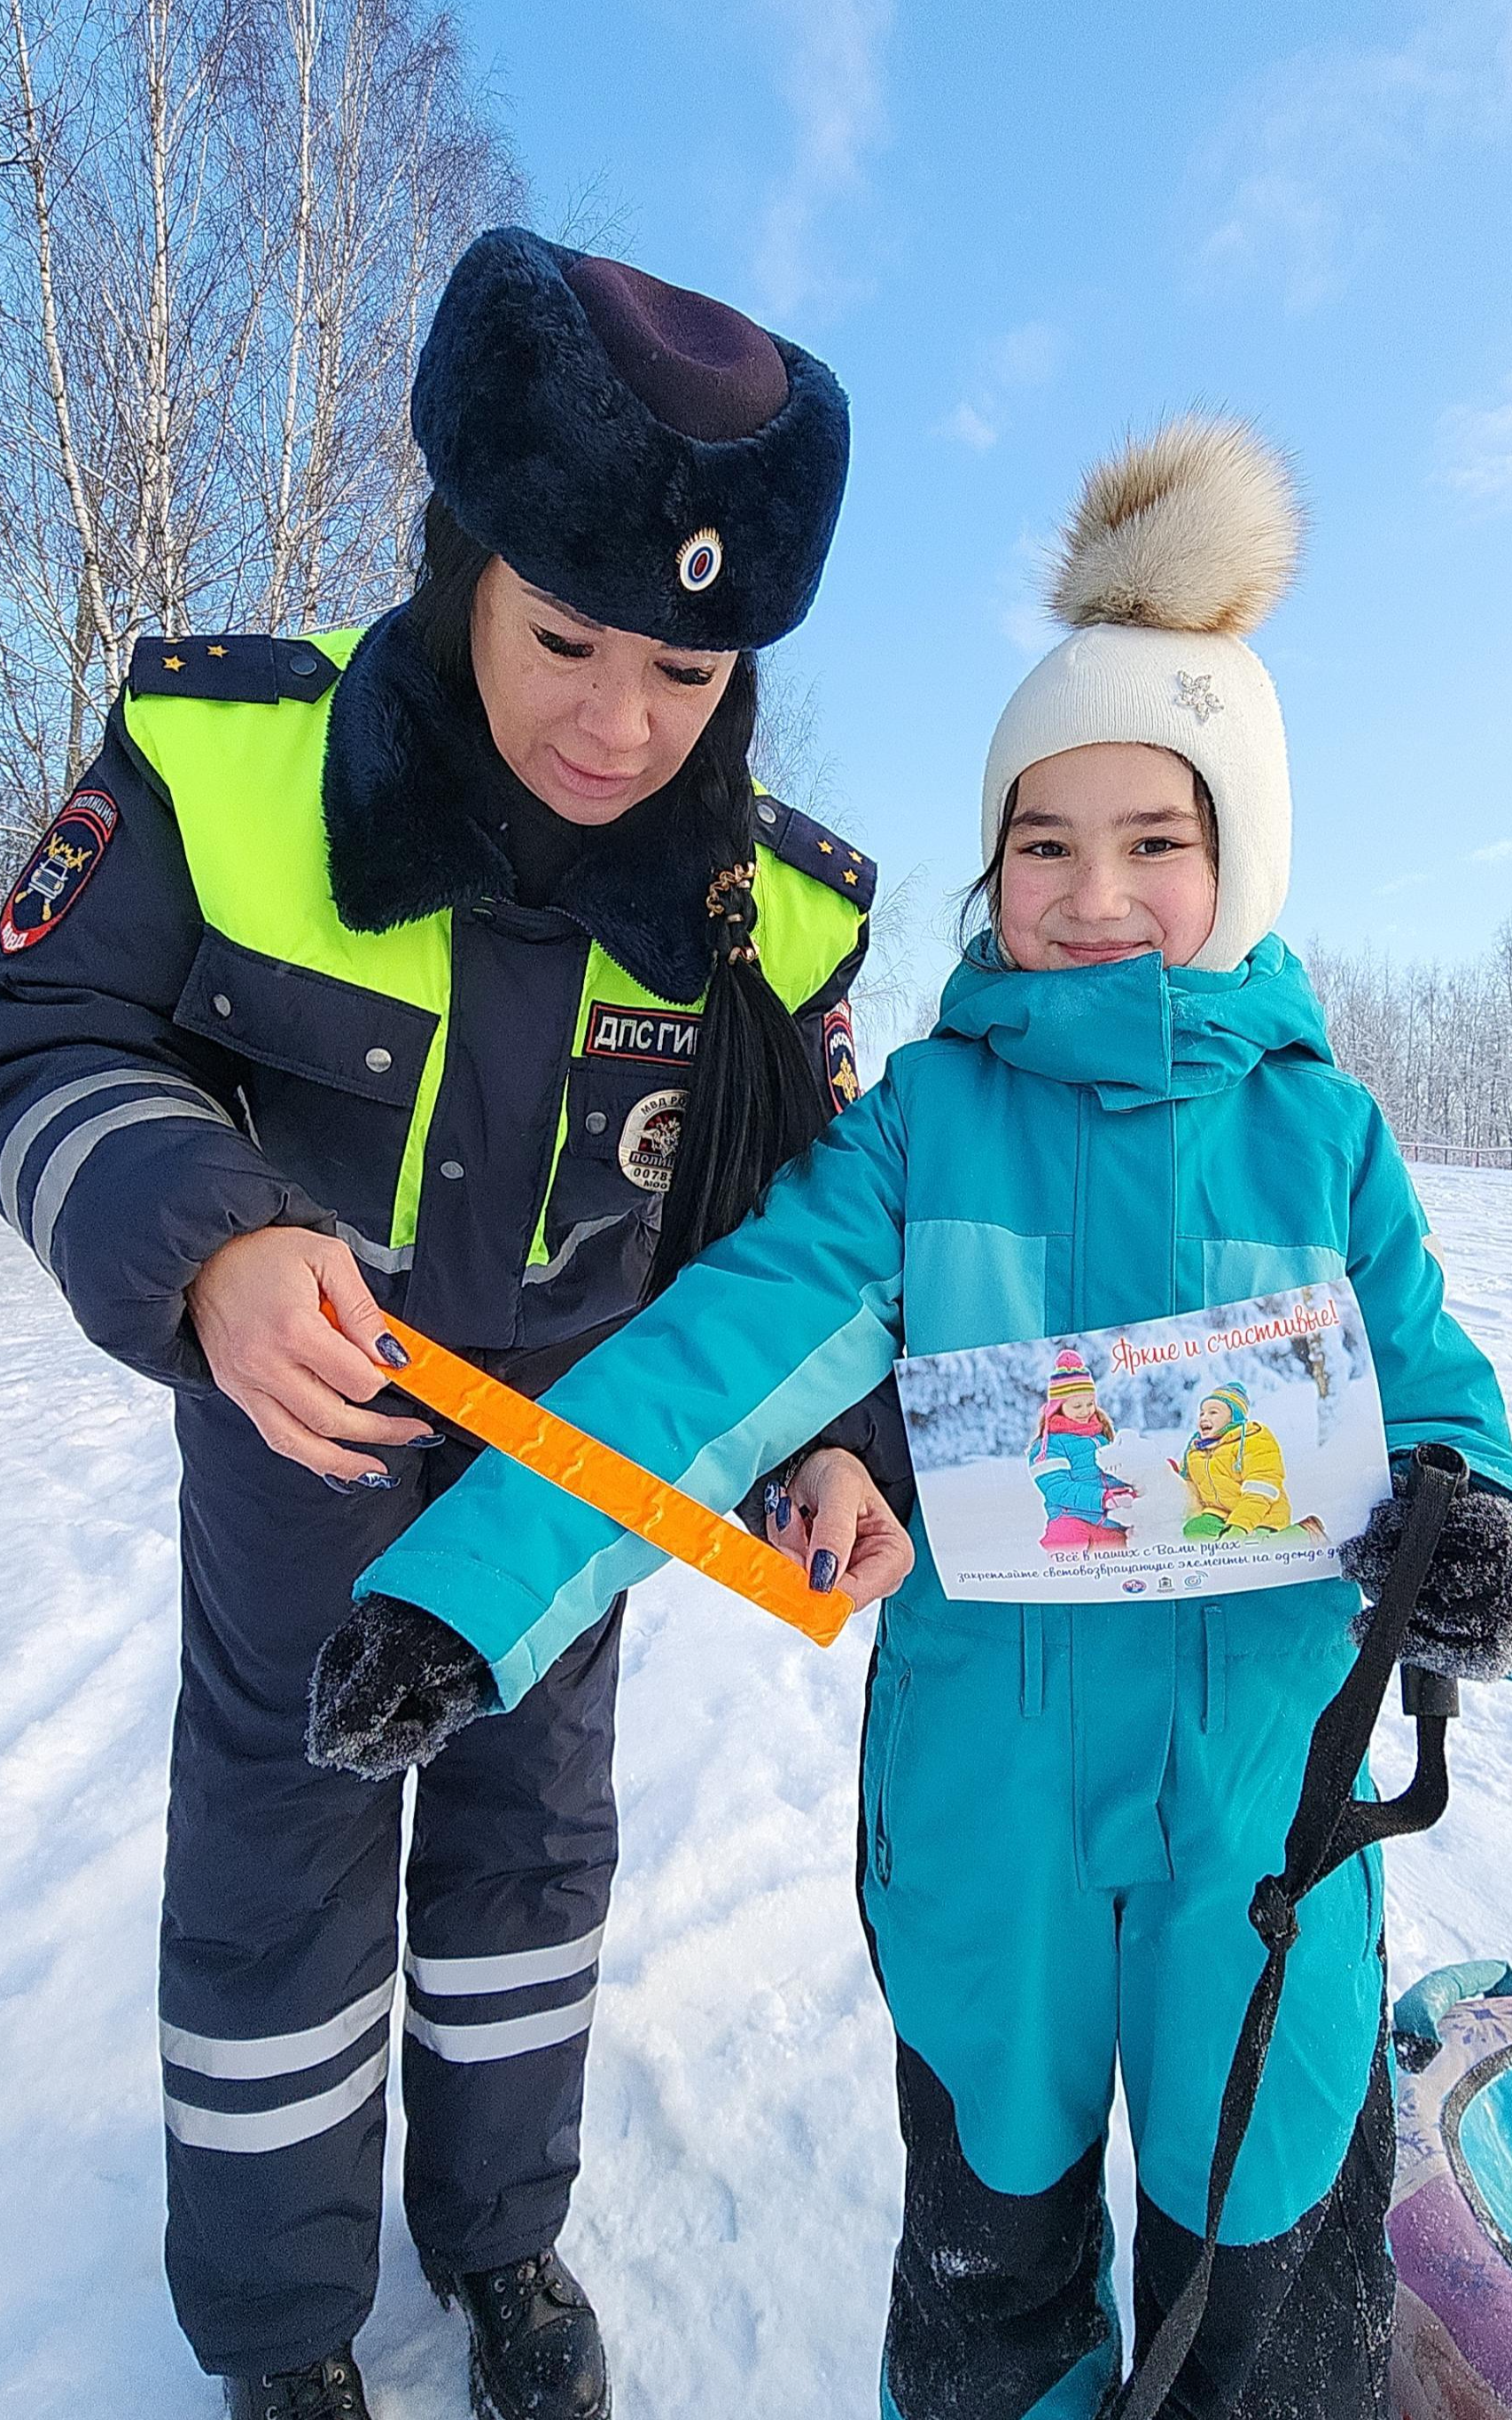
point(1179, 544)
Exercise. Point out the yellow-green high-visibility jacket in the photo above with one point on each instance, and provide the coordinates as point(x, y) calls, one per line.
point(268, 966)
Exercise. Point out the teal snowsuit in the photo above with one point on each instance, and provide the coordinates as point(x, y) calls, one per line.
point(1064, 1807)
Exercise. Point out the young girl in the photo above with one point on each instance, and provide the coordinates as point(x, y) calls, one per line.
point(1065, 1807)
point(1065, 1465)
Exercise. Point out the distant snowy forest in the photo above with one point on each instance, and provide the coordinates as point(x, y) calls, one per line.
point(1433, 1042)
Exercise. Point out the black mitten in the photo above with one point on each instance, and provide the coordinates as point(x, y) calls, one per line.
point(1462, 1625)
point(389, 1687)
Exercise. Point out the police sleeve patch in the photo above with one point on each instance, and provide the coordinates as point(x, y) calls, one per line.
point(57, 870)
point(843, 1075)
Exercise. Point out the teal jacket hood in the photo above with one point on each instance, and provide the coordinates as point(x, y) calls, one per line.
point(1138, 1032)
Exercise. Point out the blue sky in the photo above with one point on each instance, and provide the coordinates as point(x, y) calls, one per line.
point(1016, 230)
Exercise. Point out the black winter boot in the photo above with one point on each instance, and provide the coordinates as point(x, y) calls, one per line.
point(328, 2390)
point(536, 2351)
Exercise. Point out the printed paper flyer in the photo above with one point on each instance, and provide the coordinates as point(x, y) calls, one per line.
point(1226, 1449)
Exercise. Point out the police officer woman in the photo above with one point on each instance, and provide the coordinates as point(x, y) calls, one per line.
point(452, 967)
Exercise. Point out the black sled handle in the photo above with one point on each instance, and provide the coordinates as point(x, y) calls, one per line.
point(1329, 1825)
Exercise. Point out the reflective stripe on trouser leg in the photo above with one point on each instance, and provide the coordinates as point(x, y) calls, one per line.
point(508, 1891)
point(279, 1921)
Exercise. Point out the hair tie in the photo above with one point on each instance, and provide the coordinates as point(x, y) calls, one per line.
point(729, 900)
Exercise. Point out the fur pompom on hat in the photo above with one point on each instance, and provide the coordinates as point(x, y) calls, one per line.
point(1179, 546)
point(646, 454)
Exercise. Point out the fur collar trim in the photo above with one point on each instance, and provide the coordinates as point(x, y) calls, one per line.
point(417, 819)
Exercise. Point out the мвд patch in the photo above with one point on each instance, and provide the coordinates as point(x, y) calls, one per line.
point(839, 1056)
point(58, 869)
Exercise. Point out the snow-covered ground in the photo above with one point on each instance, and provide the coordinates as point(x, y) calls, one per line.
point(736, 2215)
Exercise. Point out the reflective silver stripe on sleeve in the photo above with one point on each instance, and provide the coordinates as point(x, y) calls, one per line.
point(57, 1178)
point(274, 2130)
point(469, 2045)
point(457, 1978)
point(544, 1271)
point(388, 1259)
point(1260, 1487)
point(275, 2053)
point(42, 1114)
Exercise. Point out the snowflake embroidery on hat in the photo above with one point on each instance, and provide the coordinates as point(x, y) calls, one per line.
point(1194, 691)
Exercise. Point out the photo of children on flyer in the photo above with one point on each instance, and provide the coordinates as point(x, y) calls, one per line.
point(1222, 1448)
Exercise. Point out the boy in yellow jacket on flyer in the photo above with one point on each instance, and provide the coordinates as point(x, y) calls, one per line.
point(1235, 1470)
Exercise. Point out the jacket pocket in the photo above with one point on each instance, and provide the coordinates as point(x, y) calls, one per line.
point(329, 1074)
point(629, 1119)
point(882, 1822)
point(306, 1024)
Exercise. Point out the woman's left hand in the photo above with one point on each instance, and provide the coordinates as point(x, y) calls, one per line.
point(834, 1523)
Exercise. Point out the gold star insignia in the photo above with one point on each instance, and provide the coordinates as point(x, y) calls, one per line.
point(856, 857)
point(849, 876)
point(173, 664)
point(826, 848)
point(215, 651)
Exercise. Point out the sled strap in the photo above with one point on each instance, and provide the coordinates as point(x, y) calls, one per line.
point(1330, 1826)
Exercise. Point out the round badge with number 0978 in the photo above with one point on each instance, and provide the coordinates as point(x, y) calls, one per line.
point(649, 1139)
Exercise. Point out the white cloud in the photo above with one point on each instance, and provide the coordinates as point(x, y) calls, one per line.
point(1492, 855)
point(1028, 628)
point(968, 426)
point(831, 79)
point(1027, 356)
point(1021, 617)
point(1294, 186)
point(1476, 457)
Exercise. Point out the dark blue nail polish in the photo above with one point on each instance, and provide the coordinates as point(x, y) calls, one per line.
point(376, 1479)
point(432, 1437)
point(784, 1509)
point(824, 1572)
point(771, 1496)
point(389, 1349)
point(338, 1486)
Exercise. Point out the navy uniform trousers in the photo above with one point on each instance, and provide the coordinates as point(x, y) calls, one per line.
point(280, 1929)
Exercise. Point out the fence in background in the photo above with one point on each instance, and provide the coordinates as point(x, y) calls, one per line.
point(1450, 1155)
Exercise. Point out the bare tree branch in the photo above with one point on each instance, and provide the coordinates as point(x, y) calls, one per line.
point(222, 227)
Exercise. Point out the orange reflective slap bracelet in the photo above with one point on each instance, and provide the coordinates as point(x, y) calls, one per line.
point(613, 1484)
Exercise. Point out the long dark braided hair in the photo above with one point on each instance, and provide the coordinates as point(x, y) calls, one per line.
point(753, 1097)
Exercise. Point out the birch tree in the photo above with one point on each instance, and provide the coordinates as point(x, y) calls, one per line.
point(1433, 1042)
point(225, 225)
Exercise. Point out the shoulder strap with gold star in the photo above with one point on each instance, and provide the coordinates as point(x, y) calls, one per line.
point(235, 668)
point(800, 842)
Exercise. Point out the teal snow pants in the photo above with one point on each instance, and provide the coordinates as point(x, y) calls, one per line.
point(1065, 1810)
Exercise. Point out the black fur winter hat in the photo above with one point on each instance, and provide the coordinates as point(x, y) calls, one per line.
point(650, 456)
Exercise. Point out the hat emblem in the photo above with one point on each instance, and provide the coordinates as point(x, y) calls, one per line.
point(701, 560)
point(1194, 691)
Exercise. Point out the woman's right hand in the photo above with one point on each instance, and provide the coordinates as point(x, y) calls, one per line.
point(255, 1306)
